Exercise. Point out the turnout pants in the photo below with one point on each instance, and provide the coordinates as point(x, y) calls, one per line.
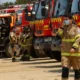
point(67, 62)
point(13, 50)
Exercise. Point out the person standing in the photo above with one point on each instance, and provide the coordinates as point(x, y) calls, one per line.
point(26, 43)
point(70, 47)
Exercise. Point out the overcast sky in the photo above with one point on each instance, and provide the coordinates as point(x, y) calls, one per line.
point(2, 1)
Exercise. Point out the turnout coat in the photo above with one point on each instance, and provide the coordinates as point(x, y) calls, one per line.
point(70, 39)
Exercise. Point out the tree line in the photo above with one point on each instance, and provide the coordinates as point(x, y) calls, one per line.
point(6, 4)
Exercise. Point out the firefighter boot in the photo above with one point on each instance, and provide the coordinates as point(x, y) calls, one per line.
point(65, 73)
point(25, 56)
point(77, 74)
point(14, 59)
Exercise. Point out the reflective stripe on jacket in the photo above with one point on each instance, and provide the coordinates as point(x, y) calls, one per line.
point(25, 41)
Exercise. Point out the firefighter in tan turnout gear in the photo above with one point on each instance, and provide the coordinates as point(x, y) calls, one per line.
point(70, 47)
point(13, 41)
point(26, 43)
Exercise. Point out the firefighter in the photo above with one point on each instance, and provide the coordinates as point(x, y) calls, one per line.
point(26, 43)
point(13, 41)
point(70, 47)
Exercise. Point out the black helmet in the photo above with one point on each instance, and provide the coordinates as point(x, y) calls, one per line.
point(26, 29)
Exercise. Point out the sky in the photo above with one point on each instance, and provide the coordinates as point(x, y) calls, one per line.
point(2, 1)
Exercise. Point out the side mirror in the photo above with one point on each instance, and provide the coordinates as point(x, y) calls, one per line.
point(33, 15)
point(43, 3)
point(79, 5)
point(57, 12)
point(43, 12)
point(59, 5)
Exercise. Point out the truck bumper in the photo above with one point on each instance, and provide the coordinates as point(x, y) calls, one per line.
point(55, 47)
point(42, 46)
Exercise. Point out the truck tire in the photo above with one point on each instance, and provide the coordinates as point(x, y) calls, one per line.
point(9, 50)
point(33, 54)
point(57, 55)
point(49, 53)
point(40, 53)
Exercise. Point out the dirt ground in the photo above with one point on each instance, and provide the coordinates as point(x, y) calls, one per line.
point(36, 69)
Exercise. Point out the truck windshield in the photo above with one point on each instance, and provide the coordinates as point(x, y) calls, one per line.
point(19, 21)
point(60, 8)
point(75, 6)
point(19, 11)
point(38, 8)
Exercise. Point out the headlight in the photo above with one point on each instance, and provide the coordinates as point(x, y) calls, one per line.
point(29, 14)
point(33, 12)
point(46, 7)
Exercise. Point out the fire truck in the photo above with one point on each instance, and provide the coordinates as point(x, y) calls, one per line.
point(34, 16)
point(43, 40)
point(41, 29)
point(47, 17)
point(7, 22)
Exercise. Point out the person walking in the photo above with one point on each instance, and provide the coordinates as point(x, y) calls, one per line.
point(13, 41)
point(70, 47)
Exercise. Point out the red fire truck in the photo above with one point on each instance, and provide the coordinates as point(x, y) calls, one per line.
point(43, 40)
point(39, 19)
point(47, 17)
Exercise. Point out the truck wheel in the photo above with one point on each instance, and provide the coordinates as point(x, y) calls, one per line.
point(40, 53)
point(33, 54)
point(57, 55)
point(8, 50)
point(49, 53)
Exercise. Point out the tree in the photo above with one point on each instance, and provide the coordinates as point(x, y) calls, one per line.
point(20, 2)
point(24, 1)
point(6, 4)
